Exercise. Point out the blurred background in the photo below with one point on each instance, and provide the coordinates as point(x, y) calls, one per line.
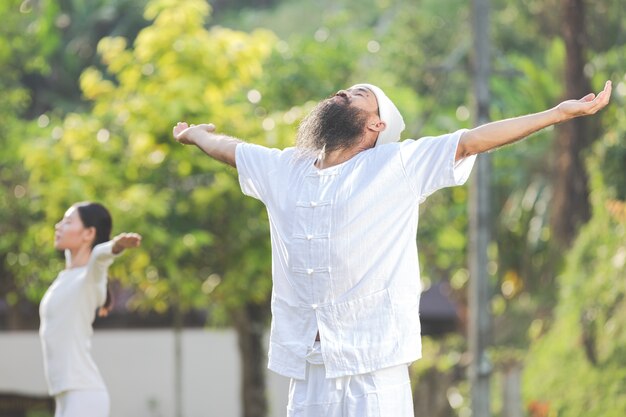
point(89, 93)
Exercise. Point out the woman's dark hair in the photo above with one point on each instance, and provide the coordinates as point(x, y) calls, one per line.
point(96, 215)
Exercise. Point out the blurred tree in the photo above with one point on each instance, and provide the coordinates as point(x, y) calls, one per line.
point(78, 25)
point(26, 42)
point(225, 6)
point(202, 239)
point(570, 202)
point(528, 260)
point(589, 330)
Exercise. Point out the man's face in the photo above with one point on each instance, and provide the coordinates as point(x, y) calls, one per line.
point(337, 122)
point(359, 97)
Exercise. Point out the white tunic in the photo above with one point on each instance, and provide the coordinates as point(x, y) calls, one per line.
point(344, 253)
point(67, 311)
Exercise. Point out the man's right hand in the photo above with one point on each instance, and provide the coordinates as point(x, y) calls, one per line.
point(189, 134)
point(216, 145)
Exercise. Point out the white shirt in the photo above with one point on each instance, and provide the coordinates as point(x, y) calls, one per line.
point(344, 253)
point(67, 311)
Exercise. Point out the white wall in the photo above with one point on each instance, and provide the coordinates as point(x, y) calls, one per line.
point(138, 368)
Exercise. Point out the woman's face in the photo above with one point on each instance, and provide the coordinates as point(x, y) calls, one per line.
point(70, 233)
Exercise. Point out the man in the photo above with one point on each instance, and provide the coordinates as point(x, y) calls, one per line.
point(343, 211)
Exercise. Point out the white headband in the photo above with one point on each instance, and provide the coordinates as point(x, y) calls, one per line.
point(388, 113)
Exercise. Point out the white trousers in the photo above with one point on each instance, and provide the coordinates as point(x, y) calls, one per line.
point(382, 393)
point(79, 403)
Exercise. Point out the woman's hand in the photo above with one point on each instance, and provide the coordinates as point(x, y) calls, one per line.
point(125, 241)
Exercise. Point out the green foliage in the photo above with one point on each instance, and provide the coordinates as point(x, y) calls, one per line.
point(25, 42)
point(439, 388)
point(589, 330)
point(198, 243)
point(426, 48)
point(306, 69)
point(76, 27)
point(521, 195)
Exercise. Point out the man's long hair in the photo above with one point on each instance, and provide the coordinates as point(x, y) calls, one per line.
point(332, 125)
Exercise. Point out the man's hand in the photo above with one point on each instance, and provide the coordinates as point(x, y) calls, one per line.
point(189, 135)
point(217, 146)
point(590, 104)
point(125, 241)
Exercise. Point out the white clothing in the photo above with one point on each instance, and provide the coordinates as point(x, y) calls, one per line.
point(382, 393)
point(344, 253)
point(79, 403)
point(67, 311)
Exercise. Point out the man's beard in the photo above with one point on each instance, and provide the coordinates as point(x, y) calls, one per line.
point(331, 125)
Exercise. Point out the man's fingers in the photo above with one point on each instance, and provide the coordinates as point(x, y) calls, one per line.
point(603, 97)
point(605, 94)
point(209, 127)
point(594, 103)
point(588, 97)
point(178, 129)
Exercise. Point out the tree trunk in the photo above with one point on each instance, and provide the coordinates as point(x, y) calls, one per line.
point(570, 204)
point(512, 405)
point(177, 327)
point(480, 219)
point(250, 325)
point(430, 393)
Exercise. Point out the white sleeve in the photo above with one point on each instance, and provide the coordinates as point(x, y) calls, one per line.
point(255, 166)
point(430, 164)
point(101, 258)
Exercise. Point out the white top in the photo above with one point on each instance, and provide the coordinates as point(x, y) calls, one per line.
point(344, 253)
point(67, 311)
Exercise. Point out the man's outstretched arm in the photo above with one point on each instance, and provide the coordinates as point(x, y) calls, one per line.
point(217, 146)
point(495, 134)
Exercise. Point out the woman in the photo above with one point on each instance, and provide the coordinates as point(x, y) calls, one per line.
point(69, 306)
